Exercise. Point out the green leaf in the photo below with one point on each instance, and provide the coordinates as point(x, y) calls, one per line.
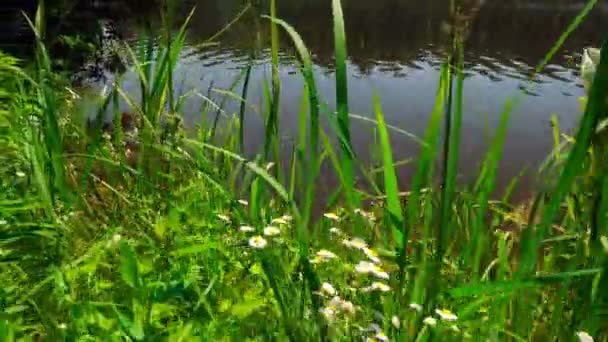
point(244, 309)
point(128, 265)
point(390, 179)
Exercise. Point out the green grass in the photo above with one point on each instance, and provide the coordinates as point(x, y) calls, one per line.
point(194, 241)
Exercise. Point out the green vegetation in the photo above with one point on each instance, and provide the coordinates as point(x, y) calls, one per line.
point(180, 238)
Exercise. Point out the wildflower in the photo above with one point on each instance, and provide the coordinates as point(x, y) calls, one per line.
point(116, 238)
point(584, 336)
point(258, 242)
point(329, 313)
point(20, 174)
point(287, 218)
point(332, 216)
point(416, 306)
point(380, 336)
point(280, 220)
point(374, 327)
point(243, 202)
point(446, 315)
point(348, 307)
point(224, 218)
point(335, 231)
point(396, 322)
point(366, 267)
point(328, 289)
point(271, 231)
point(371, 255)
point(344, 305)
point(366, 215)
point(355, 243)
point(317, 260)
point(430, 321)
point(247, 229)
point(323, 256)
point(380, 286)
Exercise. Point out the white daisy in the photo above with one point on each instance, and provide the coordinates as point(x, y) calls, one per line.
point(430, 321)
point(328, 289)
point(326, 255)
point(243, 202)
point(247, 229)
point(416, 306)
point(584, 336)
point(380, 287)
point(329, 313)
point(344, 305)
point(396, 322)
point(371, 255)
point(332, 216)
point(258, 242)
point(366, 267)
point(116, 238)
point(356, 243)
point(272, 231)
point(224, 218)
point(20, 174)
point(280, 220)
point(446, 315)
point(335, 231)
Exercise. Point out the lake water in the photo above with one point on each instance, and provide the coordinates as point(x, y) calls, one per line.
point(395, 49)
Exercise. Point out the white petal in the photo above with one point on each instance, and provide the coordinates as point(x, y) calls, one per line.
point(584, 337)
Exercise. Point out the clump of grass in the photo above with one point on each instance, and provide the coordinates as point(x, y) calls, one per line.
point(92, 247)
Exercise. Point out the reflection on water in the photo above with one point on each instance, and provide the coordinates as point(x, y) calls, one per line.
point(395, 48)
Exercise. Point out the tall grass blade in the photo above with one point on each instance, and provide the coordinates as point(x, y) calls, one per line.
point(342, 104)
point(391, 188)
point(242, 108)
point(596, 109)
point(424, 170)
point(451, 155)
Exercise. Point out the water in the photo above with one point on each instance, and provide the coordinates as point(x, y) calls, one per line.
point(395, 48)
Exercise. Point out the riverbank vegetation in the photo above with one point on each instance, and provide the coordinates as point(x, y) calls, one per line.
point(138, 231)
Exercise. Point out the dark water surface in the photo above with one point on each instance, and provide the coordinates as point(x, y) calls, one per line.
point(395, 48)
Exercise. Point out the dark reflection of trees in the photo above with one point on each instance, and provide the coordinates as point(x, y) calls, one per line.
point(516, 33)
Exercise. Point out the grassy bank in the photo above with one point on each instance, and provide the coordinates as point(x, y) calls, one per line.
point(152, 234)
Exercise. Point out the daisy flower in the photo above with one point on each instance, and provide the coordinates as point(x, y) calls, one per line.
point(371, 255)
point(247, 229)
point(430, 321)
point(328, 289)
point(416, 306)
point(332, 216)
point(446, 315)
point(272, 231)
point(584, 336)
point(366, 267)
point(396, 322)
point(258, 242)
point(224, 218)
point(355, 243)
